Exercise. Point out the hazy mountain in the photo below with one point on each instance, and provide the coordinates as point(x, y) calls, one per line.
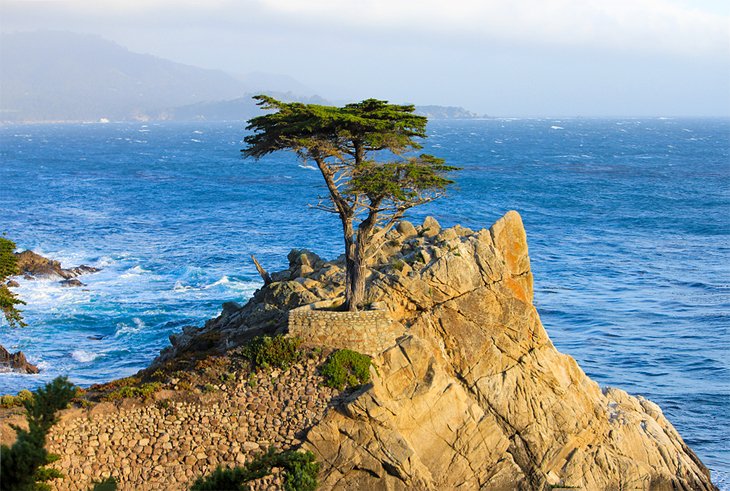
point(62, 76)
point(47, 76)
point(446, 112)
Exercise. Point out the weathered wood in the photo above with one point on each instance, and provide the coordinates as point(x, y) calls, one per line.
point(264, 274)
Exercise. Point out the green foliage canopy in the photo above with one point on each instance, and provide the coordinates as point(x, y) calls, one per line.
point(8, 268)
point(21, 466)
point(364, 152)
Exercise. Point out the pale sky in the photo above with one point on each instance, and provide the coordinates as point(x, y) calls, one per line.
point(497, 57)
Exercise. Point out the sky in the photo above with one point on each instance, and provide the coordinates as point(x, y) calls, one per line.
point(494, 57)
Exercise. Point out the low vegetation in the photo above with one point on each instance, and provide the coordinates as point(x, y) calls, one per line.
point(346, 368)
point(8, 401)
point(299, 472)
point(127, 388)
point(277, 351)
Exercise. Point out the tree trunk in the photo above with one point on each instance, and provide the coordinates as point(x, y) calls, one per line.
point(262, 272)
point(350, 262)
point(357, 267)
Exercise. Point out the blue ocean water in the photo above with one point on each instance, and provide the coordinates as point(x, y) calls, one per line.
point(628, 224)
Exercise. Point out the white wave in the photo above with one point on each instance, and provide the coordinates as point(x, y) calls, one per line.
point(180, 287)
point(105, 261)
point(195, 140)
point(122, 328)
point(198, 132)
point(83, 356)
point(223, 281)
point(134, 271)
point(308, 167)
point(554, 127)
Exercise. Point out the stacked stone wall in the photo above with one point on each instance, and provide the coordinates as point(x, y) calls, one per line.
point(369, 331)
point(167, 444)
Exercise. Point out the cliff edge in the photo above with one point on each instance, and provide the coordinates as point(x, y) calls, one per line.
point(470, 393)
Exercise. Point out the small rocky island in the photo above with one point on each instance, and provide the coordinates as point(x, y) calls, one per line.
point(467, 391)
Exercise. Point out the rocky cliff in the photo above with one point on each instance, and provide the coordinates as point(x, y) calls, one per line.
point(473, 395)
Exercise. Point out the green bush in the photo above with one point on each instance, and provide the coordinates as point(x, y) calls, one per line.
point(278, 351)
point(300, 472)
point(108, 484)
point(143, 391)
point(24, 395)
point(346, 368)
point(21, 466)
point(8, 400)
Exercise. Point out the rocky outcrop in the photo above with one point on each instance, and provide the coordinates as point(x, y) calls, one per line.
point(15, 362)
point(32, 266)
point(474, 395)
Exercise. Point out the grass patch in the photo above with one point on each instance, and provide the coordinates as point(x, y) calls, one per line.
point(346, 368)
point(272, 352)
point(142, 391)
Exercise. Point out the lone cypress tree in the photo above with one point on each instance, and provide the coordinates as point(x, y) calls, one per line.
point(8, 300)
point(368, 194)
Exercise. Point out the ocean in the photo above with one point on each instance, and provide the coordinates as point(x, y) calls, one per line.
point(628, 224)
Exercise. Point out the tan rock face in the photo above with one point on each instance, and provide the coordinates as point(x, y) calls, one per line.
point(476, 396)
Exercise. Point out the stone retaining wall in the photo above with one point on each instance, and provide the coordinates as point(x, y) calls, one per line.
point(167, 444)
point(369, 331)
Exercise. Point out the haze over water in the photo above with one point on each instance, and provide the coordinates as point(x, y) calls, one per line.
point(628, 224)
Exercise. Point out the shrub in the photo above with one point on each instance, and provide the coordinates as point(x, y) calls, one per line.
point(346, 368)
point(108, 484)
point(8, 400)
point(278, 351)
point(143, 391)
point(300, 472)
point(21, 466)
point(24, 395)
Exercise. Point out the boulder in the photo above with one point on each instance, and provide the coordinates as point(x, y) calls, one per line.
point(430, 227)
point(15, 362)
point(406, 229)
point(33, 265)
point(71, 282)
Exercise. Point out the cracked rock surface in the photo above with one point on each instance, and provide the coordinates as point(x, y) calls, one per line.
point(475, 395)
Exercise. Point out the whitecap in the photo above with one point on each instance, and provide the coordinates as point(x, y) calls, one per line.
point(122, 328)
point(195, 140)
point(180, 287)
point(223, 281)
point(198, 132)
point(134, 271)
point(554, 127)
point(308, 167)
point(83, 356)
